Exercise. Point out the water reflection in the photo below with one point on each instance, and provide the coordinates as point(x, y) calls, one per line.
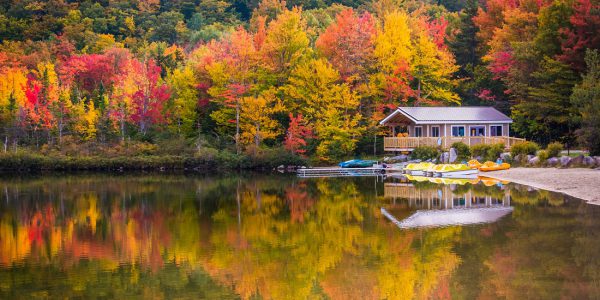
point(443, 202)
point(280, 237)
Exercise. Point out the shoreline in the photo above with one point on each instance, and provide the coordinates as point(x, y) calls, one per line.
point(577, 182)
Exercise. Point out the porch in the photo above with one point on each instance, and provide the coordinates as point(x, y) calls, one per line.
point(409, 143)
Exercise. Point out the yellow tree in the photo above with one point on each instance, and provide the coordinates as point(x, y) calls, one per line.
point(12, 96)
point(392, 43)
point(314, 90)
point(285, 44)
point(257, 123)
point(85, 125)
point(184, 102)
point(432, 66)
point(414, 63)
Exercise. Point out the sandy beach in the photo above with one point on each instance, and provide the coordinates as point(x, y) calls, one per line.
point(577, 182)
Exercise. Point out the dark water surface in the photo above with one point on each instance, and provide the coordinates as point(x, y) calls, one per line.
point(281, 237)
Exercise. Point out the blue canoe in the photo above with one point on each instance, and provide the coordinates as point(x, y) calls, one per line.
point(357, 163)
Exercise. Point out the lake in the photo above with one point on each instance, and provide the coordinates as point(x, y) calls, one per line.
point(254, 236)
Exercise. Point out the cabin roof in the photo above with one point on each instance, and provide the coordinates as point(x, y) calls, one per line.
point(448, 115)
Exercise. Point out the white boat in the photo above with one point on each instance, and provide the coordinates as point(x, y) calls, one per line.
point(457, 174)
point(417, 172)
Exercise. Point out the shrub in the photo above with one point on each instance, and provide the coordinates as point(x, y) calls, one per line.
point(495, 151)
point(524, 148)
point(463, 151)
point(480, 150)
point(425, 153)
point(487, 152)
point(274, 157)
point(543, 155)
point(554, 149)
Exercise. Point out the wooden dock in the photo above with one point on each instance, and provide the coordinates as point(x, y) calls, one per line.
point(340, 172)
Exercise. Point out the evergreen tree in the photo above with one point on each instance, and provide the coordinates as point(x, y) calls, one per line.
point(586, 97)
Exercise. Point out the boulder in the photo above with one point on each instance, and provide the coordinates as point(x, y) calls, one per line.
point(564, 161)
point(597, 159)
point(402, 157)
point(518, 158)
point(576, 161)
point(453, 155)
point(505, 157)
point(529, 157)
point(396, 159)
point(479, 158)
point(444, 157)
point(534, 160)
point(552, 161)
point(589, 161)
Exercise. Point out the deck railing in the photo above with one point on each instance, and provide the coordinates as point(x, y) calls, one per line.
point(409, 143)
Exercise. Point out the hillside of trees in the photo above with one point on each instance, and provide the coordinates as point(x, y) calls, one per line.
point(310, 77)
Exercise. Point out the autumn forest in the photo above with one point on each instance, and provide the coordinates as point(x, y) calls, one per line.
point(307, 78)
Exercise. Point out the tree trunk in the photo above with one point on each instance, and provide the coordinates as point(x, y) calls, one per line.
point(237, 126)
point(257, 137)
point(122, 121)
point(418, 91)
point(375, 144)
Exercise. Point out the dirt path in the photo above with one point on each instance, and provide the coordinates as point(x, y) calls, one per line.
point(579, 183)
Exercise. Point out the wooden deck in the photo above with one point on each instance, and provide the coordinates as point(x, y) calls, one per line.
point(409, 143)
point(340, 172)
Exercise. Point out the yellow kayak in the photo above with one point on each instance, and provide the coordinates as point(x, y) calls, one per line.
point(419, 167)
point(492, 181)
point(453, 168)
point(416, 178)
point(492, 166)
point(474, 164)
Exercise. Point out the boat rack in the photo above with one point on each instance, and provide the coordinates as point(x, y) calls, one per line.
point(340, 172)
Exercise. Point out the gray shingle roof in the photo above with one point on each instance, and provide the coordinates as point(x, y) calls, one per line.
point(467, 114)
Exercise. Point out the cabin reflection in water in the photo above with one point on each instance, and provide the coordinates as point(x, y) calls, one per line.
point(428, 204)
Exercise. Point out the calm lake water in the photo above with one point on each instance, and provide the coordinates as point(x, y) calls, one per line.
point(281, 237)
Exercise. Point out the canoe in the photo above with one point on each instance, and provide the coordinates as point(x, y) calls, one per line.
point(492, 166)
point(454, 171)
point(357, 163)
point(433, 169)
point(459, 181)
point(418, 169)
point(468, 174)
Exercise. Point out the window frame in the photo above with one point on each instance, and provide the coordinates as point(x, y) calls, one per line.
point(415, 133)
point(438, 131)
point(457, 126)
point(477, 127)
point(496, 126)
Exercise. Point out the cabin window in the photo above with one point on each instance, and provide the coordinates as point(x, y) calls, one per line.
point(458, 130)
point(477, 130)
point(435, 131)
point(496, 130)
point(418, 131)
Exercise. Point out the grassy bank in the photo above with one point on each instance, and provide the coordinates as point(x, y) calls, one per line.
point(203, 161)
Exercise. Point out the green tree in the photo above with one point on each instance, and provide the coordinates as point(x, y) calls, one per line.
point(545, 114)
point(586, 98)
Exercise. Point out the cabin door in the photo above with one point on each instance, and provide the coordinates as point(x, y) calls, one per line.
point(477, 130)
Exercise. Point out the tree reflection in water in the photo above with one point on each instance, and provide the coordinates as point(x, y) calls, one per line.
point(280, 237)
